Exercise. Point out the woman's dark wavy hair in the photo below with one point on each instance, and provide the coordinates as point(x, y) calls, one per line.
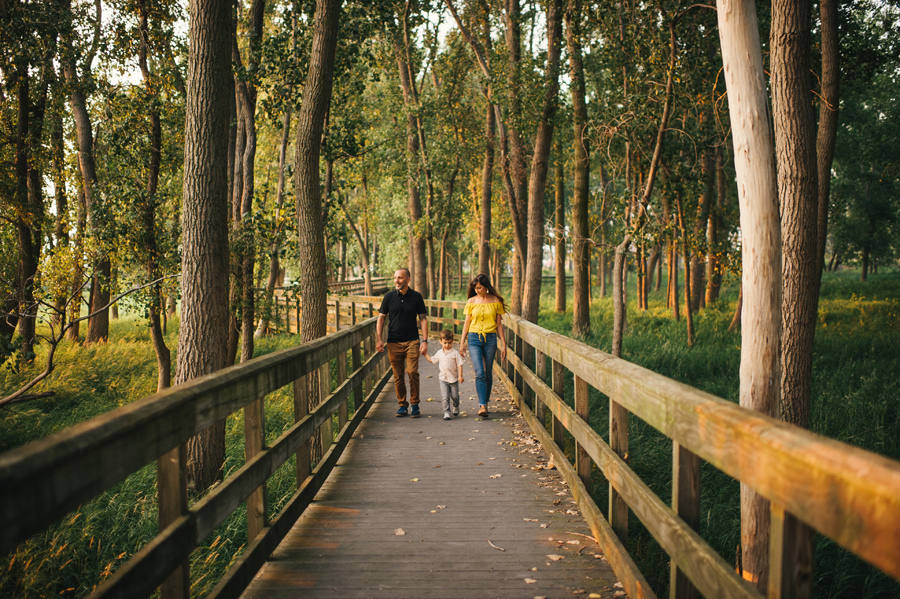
point(485, 282)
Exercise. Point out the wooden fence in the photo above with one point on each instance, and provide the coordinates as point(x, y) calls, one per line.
point(849, 495)
point(44, 480)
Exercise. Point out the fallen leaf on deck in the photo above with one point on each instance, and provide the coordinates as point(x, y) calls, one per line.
point(530, 581)
point(399, 532)
point(496, 475)
point(414, 480)
point(530, 519)
point(555, 557)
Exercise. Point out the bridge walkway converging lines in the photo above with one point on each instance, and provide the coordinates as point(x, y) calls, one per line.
point(440, 509)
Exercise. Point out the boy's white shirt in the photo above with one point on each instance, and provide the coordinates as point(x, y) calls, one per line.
point(448, 364)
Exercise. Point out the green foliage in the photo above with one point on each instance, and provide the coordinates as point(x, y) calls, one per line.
point(855, 376)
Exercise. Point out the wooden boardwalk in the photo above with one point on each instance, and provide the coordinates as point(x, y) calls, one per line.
point(440, 509)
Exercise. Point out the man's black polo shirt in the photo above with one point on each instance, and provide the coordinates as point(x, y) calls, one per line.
point(403, 310)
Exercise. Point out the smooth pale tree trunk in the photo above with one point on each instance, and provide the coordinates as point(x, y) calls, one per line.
point(581, 158)
point(204, 313)
point(754, 153)
point(539, 166)
point(559, 231)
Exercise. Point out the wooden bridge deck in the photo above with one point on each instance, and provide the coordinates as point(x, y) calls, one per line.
point(440, 509)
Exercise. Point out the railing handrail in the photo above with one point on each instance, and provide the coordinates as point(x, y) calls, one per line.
point(45, 479)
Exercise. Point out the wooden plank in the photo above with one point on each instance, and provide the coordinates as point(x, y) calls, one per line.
point(582, 459)
point(705, 568)
point(633, 581)
point(43, 480)
point(245, 568)
point(685, 503)
point(858, 498)
point(790, 557)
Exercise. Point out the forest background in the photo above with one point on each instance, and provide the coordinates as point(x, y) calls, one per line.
point(459, 138)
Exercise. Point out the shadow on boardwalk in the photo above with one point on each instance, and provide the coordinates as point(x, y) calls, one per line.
point(440, 509)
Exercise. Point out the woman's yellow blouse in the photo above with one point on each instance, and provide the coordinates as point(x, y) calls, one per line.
point(484, 317)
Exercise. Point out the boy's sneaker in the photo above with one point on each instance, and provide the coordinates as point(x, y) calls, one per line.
point(401, 412)
point(446, 415)
point(414, 411)
point(456, 410)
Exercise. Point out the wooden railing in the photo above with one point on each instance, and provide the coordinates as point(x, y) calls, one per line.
point(845, 493)
point(44, 480)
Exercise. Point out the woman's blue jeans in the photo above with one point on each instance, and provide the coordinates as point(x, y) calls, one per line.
point(483, 348)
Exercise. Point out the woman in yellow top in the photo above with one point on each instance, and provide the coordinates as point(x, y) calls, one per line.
point(480, 331)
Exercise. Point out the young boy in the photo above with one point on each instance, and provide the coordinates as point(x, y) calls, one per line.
point(450, 364)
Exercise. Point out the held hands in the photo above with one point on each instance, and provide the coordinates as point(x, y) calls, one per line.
point(423, 348)
point(462, 349)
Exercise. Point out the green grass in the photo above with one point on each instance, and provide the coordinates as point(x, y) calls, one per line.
point(856, 373)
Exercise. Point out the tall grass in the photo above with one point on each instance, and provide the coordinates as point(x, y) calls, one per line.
point(856, 374)
point(85, 547)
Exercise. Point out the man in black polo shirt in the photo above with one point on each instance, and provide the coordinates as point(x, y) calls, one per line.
point(406, 308)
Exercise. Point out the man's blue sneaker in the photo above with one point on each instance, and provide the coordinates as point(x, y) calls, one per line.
point(402, 412)
point(414, 412)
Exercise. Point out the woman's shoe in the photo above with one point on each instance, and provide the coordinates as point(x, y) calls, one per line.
point(483, 412)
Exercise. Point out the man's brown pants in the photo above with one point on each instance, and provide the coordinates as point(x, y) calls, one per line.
point(404, 358)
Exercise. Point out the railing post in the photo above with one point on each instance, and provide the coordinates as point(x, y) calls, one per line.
point(618, 442)
point(277, 324)
point(791, 553)
point(352, 313)
point(171, 484)
point(685, 503)
point(337, 316)
point(299, 314)
point(356, 357)
point(254, 441)
point(527, 392)
point(582, 409)
point(519, 381)
point(559, 386)
point(325, 431)
point(301, 410)
point(540, 369)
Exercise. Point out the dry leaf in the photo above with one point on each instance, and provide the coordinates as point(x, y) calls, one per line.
point(496, 475)
point(594, 596)
point(619, 594)
point(530, 581)
point(442, 507)
point(618, 585)
point(544, 525)
point(414, 480)
point(530, 519)
point(555, 557)
point(399, 532)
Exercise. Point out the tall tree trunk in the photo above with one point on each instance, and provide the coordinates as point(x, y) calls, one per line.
point(559, 231)
point(151, 264)
point(798, 190)
point(698, 296)
point(539, 165)
point(310, 124)
point(761, 255)
point(581, 154)
point(204, 315)
point(828, 122)
point(418, 262)
point(62, 202)
point(688, 297)
point(78, 271)
point(28, 250)
point(274, 263)
point(487, 181)
point(713, 265)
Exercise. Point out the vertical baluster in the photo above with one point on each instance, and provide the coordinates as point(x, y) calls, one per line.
point(356, 356)
point(254, 442)
point(685, 503)
point(540, 368)
point(326, 430)
point(791, 553)
point(618, 442)
point(171, 484)
point(301, 410)
point(582, 409)
point(559, 387)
